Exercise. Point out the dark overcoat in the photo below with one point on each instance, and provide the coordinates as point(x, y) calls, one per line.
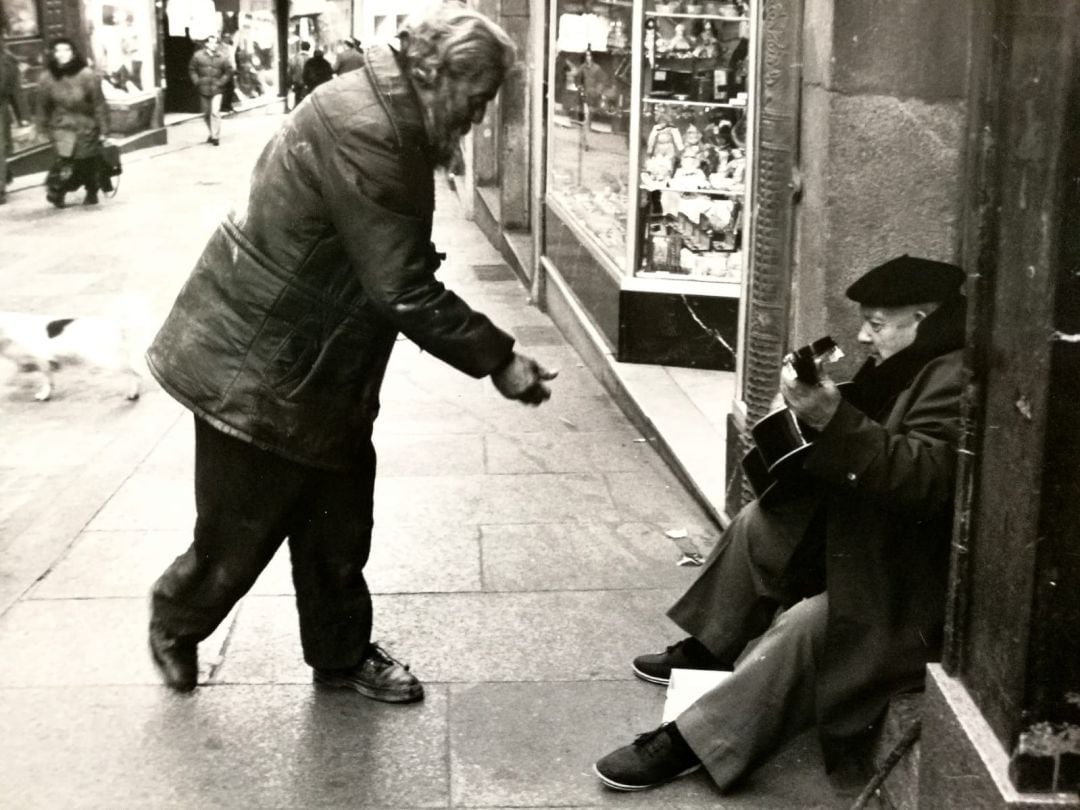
point(888, 493)
point(72, 110)
point(282, 333)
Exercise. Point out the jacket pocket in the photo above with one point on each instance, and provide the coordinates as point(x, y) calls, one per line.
point(291, 361)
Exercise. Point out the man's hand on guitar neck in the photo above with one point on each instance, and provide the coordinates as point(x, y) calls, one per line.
point(813, 404)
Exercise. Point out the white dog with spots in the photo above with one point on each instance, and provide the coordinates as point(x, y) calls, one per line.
point(41, 344)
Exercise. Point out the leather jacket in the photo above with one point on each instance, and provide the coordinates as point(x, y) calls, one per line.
point(282, 333)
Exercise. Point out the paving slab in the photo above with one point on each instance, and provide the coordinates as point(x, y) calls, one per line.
point(404, 559)
point(109, 564)
point(583, 556)
point(87, 642)
point(221, 747)
point(568, 452)
point(406, 454)
point(533, 745)
point(476, 499)
point(562, 635)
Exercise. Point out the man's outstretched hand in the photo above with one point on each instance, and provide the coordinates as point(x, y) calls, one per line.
point(524, 379)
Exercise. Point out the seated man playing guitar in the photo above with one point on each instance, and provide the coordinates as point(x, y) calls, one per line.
point(829, 598)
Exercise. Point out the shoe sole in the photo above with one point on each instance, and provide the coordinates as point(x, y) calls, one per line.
point(412, 696)
point(650, 678)
point(611, 783)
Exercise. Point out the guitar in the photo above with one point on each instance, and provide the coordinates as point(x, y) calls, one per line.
point(780, 439)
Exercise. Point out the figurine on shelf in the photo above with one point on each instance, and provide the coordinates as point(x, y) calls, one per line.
point(665, 144)
point(679, 44)
point(718, 133)
point(708, 46)
point(693, 147)
point(658, 170)
point(689, 176)
point(617, 40)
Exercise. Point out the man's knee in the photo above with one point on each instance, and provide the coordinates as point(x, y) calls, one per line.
point(806, 620)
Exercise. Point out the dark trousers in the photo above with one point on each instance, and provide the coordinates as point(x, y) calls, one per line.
point(732, 609)
point(248, 501)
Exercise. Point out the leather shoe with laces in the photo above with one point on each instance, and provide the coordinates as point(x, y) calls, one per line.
point(686, 654)
point(177, 661)
point(379, 676)
point(652, 759)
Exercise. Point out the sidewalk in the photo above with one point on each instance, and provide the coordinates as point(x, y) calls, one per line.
point(519, 560)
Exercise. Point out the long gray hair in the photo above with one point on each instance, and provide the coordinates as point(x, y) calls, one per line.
point(453, 40)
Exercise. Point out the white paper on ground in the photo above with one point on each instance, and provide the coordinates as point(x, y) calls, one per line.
point(686, 686)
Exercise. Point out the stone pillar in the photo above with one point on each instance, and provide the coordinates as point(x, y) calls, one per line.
point(883, 113)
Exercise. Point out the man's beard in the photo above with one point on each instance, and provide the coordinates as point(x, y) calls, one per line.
point(446, 146)
point(445, 136)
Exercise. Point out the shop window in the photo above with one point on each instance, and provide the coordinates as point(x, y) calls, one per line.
point(589, 134)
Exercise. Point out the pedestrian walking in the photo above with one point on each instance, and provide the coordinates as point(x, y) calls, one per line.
point(317, 71)
point(279, 340)
point(350, 56)
point(72, 112)
point(296, 72)
point(827, 594)
point(210, 70)
point(11, 97)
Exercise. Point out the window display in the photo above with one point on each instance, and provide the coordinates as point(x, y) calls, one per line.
point(648, 139)
point(692, 184)
point(255, 42)
point(589, 135)
point(122, 41)
point(21, 17)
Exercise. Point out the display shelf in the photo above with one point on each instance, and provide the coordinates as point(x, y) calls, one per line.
point(687, 102)
point(680, 15)
point(608, 51)
point(708, 192)
point(682, 284)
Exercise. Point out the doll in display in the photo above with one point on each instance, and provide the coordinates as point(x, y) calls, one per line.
point(617, 39)
point(679, 44)
point(664, 142)
point(708, 46)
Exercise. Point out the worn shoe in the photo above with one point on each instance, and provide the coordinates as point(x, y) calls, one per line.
point(686, 654)
point(652, 759)
point(215, 141)
point(379, 677)
point(177, 661)
point(55, 199)
point(91, 198)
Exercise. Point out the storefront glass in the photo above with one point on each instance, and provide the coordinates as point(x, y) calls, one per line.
point(255, 42)
point(22, 19)
point(589, 133)
point(122, 45)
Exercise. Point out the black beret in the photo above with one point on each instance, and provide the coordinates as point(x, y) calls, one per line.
point(907, 280)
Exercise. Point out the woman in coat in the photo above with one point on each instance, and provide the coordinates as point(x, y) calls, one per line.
point(72, 112)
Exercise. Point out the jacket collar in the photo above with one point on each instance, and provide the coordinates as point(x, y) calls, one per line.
point(397, 97)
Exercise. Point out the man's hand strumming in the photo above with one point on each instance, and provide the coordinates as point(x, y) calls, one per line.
point(524, 379)
point(813, 404)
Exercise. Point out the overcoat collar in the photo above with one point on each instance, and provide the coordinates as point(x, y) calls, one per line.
point(397, 97)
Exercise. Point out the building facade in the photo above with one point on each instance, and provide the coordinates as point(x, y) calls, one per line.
point(863, 131)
